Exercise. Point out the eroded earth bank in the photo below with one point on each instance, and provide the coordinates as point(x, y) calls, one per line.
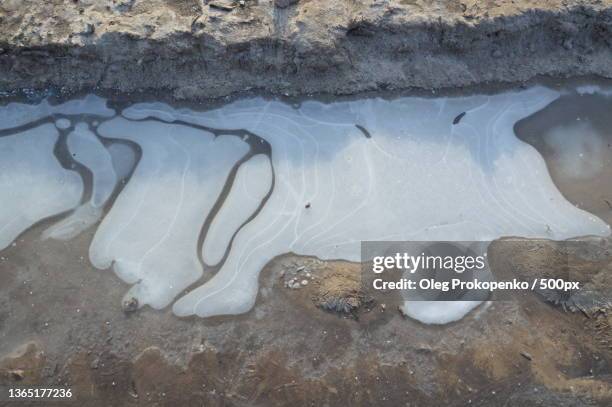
point(191, 49)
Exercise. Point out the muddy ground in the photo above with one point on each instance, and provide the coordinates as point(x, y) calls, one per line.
point(194, 49)
point(62, 325)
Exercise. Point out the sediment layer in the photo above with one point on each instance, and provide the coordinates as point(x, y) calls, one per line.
point(198, 50)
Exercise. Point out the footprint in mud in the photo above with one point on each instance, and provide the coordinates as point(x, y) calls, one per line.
point(215, 195)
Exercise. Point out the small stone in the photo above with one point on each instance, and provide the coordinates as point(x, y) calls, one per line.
point(304, 282)
point(16, 374)
point(497, 54)
point(130, 305)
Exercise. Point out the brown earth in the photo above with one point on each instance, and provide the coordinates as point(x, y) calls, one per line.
point(62, 325)
point(586, 261)
point(191, 49)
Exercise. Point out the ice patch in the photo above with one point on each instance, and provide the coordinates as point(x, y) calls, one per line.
point(414, 169)
point(19, 114)
point(33, 185)
point(419, 177)
point(150, 235)
point(242, 202)
point(438, 313)
point(123, 158)
point(86, 148)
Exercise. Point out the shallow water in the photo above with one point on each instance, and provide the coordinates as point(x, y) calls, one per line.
point(574, 135)
point(201, 201)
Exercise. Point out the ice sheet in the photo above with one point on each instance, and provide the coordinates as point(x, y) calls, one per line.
point(372, 169)
point(87, 149)
point(33, 185)
point(150, 235)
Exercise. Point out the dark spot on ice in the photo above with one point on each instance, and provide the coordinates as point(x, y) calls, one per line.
point(457, 119)
point(364, 131)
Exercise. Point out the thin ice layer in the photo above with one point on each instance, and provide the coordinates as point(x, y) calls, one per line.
point(419, 177)
point(86, 148)
point(123, 158)
point(17, 114)
point(436, 312)
point(150, 235)
point(241, 203)
point(33, 184)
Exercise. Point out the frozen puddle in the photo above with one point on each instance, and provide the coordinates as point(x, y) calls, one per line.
point(201, 201)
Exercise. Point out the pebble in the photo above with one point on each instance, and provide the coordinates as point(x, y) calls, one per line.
point(17, 374)
point(292, 284)
point(130, 305)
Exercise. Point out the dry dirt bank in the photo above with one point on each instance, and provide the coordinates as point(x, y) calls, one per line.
point(193, 49)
